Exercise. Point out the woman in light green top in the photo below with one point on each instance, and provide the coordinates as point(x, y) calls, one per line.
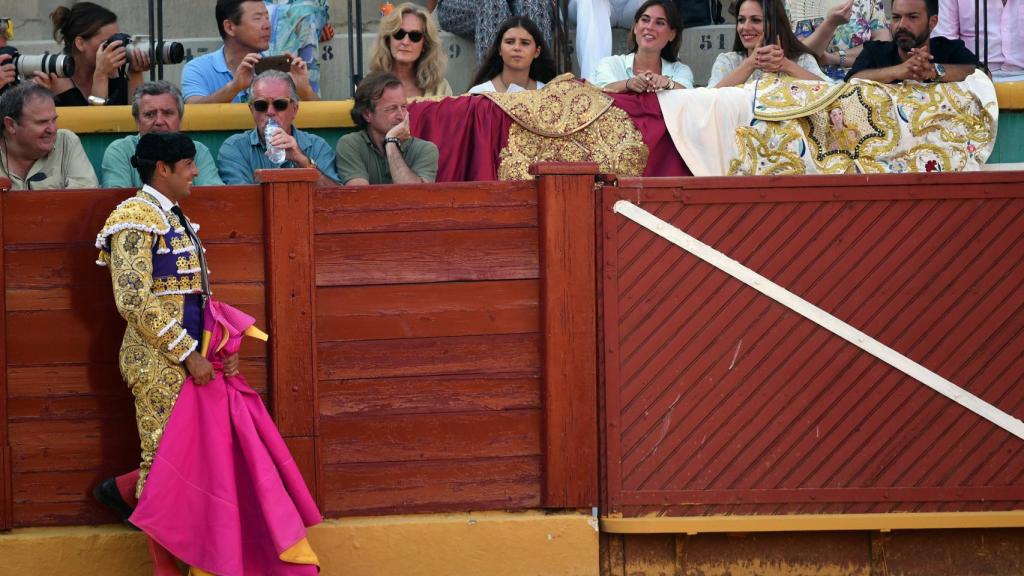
point(408, 46)
point(653, 60)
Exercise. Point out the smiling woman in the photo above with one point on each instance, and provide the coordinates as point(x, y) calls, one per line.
point(653, 61)
point(751, 54)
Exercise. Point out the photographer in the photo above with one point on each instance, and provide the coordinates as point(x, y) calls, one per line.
point(7, 72)
point(101, 76)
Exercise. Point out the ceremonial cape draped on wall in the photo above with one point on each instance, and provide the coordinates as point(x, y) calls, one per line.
point(807, 127)
point(224, 494)
point(497, 136)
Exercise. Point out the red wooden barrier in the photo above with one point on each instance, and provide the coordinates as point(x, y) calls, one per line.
point(569, 307)
point(406, 356)
point(287, 213)
point(721, 401)
point(6, 497)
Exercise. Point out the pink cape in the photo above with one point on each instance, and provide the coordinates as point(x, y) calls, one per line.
point(224, 494)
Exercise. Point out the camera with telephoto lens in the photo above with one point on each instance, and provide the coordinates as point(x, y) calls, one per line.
point(165, 52)
point(26, 64)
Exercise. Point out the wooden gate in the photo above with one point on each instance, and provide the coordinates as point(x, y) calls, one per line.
point(719, 401)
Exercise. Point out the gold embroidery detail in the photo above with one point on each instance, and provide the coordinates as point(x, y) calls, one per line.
point(153, 345)
point(563, 107)
point(191, 283)
point(567, 121)
point(864, 127)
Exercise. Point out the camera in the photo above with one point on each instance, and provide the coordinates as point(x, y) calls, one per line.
point(165, 52)
point(25, 64)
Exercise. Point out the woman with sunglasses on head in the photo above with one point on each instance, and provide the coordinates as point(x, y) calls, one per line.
point(408, 46)
point(518, 60)
point(750, 55)
point(653, 60)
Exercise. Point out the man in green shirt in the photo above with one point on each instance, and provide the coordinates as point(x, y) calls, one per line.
point(157, 107)
point(383, 152)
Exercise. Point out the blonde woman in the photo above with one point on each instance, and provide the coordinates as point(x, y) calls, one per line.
point(409, 47)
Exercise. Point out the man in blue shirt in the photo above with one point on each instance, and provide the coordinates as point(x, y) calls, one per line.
point(274, 97)
point(225, 75)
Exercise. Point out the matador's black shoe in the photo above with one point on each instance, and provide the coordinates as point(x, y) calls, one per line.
point(106, 493)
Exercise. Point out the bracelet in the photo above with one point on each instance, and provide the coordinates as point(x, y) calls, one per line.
point(842, 59)
point(393, 140)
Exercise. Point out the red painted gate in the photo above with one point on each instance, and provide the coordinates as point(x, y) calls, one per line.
point(721, 401)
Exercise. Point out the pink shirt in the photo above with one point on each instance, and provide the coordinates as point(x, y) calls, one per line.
point(1005, 30)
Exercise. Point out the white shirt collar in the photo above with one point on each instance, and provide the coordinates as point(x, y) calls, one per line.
point(164, 201)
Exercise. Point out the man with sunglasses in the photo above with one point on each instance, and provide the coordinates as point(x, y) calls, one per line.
point(383, 152)
point(274, 97)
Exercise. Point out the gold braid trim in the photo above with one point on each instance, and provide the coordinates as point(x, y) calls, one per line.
point(135, 213)
point(561, 108)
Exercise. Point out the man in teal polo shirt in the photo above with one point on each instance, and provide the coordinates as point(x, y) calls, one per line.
point(157, 107)
point(383, 152)
point(274, 98)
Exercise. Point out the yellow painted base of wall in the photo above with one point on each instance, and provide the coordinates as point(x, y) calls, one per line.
point(491, 543)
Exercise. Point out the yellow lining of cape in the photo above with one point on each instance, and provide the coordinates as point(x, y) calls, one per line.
point(251, 331)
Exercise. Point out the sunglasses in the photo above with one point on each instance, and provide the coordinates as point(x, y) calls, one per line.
point(280, 105)
point(401, 33)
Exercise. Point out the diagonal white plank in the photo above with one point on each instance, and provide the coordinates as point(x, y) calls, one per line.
point(820, 317)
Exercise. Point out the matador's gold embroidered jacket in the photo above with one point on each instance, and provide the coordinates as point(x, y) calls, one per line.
point(157, 281)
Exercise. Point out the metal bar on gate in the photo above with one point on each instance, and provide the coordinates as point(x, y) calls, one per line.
point(157, 46)
point(152, 29)
point(985, 25)
point(977, 29)
point(359, 43)
point(352, 54)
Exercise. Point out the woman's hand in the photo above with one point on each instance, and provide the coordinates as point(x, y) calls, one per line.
point(660, 82)
point(109, 58)
point(639, 83)
point(139, 60)
point(769, 58)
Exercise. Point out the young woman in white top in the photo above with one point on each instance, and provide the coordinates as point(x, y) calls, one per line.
point(518, 60)
point(788, 55)
point(653, 60)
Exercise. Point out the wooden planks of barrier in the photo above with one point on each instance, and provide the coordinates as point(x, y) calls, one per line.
point(406, 361)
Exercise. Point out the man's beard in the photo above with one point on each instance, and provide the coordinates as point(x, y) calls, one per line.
point(906, 41)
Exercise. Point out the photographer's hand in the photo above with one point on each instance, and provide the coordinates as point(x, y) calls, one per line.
point(7, 72)
point(244, 72)
point(300, 75)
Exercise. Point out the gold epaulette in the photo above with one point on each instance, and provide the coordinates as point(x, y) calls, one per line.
point(135, 213)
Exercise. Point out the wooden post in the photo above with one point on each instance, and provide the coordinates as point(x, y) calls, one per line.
point(6, 489)
point(290, 289)
point(569, 320)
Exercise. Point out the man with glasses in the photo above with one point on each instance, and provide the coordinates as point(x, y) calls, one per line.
point(384, 152)
point(156, 107)
point(274, 98)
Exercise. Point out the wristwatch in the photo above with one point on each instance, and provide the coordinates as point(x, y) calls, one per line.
point(940, 70)
point(96, 101)
point(394, 140)
point(842, 59)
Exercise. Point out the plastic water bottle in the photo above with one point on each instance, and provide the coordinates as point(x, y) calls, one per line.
point(275, 155)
